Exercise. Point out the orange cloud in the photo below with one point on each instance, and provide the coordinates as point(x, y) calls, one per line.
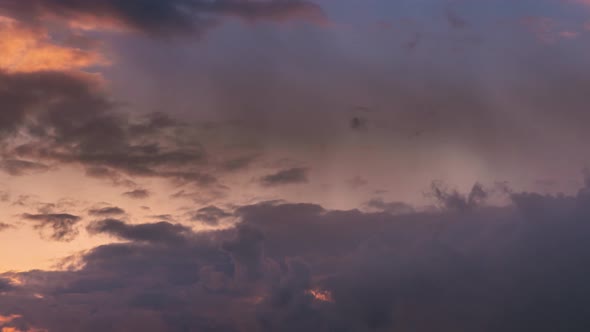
point(8, 319)
point(321, 295)
point(28, 50)
point(14, 329)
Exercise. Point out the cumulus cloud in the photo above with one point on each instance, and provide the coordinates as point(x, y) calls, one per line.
point(294, 267)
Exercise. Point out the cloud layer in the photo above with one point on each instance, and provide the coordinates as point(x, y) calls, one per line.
point(294, 267)
point(157, 17)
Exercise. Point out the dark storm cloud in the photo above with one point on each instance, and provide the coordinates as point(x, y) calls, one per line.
point(61, 226)
point(161, 232)
point(300, 267)
point(106, 211)
point(161, 17)
point(210, 215)
point(247, 252)
point(287, 176)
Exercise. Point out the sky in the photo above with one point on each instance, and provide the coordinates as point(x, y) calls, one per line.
point(291, 165)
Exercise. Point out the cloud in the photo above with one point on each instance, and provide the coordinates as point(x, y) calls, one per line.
point(358, 123)
point(210, 215)
point(453, 200)
point(25, 49)
point(158, 17)
point(287, 176)
point(61, 225)
point(5, 226)
point(137, 194)
point(518, 267)
point(390, 207)
point(41, 123)
point(20, 167)
point(106, 211)
point(165, 217)
point(5, 285)
point(161, 232)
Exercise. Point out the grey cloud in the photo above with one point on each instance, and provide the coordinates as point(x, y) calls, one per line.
point(210, 215)
point(100, 172)
point(5, 285)
point(453, 200)
point(287, 176)
point(161, 232)
point(239, 163)
point(247, 251)
point(163, 17)
point(358, 123)
point(106, 211)
point(390, 207)
point(166, 217)
point(62, 226)
point(20, 167)
point(519, 267)
point(137, 194)
point(107, 143)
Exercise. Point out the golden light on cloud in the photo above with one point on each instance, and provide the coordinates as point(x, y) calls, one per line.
point(321, 295)
point(14, 329)
point(15, 280)
point(28, 50)
point(8, 319)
